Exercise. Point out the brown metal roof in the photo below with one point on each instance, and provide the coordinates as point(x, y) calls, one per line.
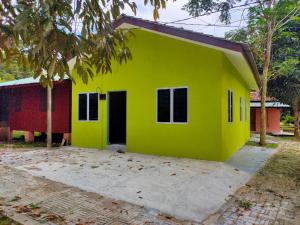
point(255, 97)
point(193, 36)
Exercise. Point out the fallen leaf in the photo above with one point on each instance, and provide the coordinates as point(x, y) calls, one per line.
point(36, 213)
point(22, 209)
point(52, 217)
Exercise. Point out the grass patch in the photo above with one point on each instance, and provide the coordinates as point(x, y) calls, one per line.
point(281, 174)
point(22, 144)
point(286, 138)
point(245, 204)
point(33, 206)
point(287, 127)
point(17, 134)
point(7, 221)
point(268, 145)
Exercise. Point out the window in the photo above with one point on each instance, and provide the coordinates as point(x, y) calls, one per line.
point(241, 108)
point(88, 106)
point(230, 106)
point(246, 110)
point(172, 105)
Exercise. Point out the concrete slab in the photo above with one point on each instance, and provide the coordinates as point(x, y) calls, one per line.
point(186, 188)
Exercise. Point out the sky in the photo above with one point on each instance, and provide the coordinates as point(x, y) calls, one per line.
point(174, 12)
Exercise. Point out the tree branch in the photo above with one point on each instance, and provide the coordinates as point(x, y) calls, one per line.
point(287, 18)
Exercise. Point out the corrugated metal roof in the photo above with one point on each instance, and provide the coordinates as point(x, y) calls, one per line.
point(29, 80)
point(269, 105)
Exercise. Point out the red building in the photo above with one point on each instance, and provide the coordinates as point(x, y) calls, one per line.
point(24, 108)
point(273, 109)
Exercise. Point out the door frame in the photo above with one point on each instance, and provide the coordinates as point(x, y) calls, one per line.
point(108, 117)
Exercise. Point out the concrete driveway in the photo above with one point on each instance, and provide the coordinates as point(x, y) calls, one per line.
point(185, 188)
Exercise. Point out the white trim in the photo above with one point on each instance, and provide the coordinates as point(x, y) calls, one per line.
point(88, 106)
point(172, 104)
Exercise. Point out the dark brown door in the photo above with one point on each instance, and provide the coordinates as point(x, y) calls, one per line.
point(117, 117)
point(253, 119)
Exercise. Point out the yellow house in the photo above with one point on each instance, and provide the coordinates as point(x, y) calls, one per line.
point(184, 94)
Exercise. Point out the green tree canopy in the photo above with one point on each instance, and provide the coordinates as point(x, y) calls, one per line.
point(13, 72)
point(284, 73)
point(53, 32)
point(265, 18)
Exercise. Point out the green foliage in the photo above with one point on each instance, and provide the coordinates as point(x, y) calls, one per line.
point(244, 203)
point(284, 74)
point(285, 47)
point(198, 7)
point(285, 88)
point(268, 145)
point(288, 119)
point(13, 72)
point(45, 35)
point(7, 221)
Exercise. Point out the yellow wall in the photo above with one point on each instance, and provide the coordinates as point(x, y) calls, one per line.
point(160, 62)
point(235, 134)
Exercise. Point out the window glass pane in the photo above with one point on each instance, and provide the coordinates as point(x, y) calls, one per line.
point(229, 105)
point(180, 105)
point(163, 105)
point(93, 104)
point(82, 107)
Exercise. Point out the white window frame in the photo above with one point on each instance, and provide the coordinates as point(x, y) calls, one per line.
point(241, 109)
point(88, 107)
point(230, 106)
point(172, 105)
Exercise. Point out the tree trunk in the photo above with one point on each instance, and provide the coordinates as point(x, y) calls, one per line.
point(49, 117)
point(296, 111)
point(264, 83)
point(49, 103)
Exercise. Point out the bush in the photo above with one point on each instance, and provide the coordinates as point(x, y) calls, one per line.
point(288, 119)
